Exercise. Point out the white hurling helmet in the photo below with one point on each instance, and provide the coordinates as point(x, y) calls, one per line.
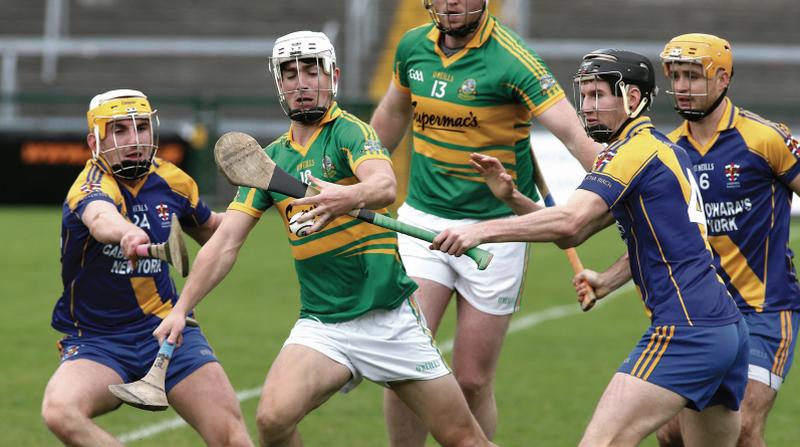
point(307, 49)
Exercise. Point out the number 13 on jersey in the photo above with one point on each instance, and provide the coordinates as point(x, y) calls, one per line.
point(438, 88)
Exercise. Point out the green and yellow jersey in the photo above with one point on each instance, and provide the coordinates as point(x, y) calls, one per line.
point(480, 99)
point(350, 267)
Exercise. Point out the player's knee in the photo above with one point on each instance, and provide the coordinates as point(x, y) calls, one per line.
point(231, 433)
point(274, 425)
point(669, 435)
point(669, 439)
point(474, 385)
point(63, 420)
point(463, 438)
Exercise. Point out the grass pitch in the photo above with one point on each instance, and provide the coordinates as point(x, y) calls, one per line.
point(555, 363)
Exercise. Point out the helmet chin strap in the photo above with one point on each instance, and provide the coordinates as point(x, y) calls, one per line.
point(309, 116)
point(697, 115)
point(131, 170)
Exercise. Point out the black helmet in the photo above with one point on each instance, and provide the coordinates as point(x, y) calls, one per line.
point(613, 66)
point(620, 69)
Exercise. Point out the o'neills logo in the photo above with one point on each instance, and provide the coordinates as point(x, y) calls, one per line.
point(448, 123)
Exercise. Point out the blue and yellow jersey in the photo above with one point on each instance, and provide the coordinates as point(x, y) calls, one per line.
point(350, 267)
point(102, 293)
point(481, 99)
point(743, 174)
point(648, 185)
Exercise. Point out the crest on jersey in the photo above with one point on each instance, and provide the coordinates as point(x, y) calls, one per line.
point(793, 146)
point(468, 89)
point(732, 171)
point(90, 187)
point(69, 352)
point(163, 211)
point(328, 169)
point(373, 147)
point(546, 82)
point(603, 158)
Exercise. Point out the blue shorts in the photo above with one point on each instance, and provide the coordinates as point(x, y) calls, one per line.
point(132, 354)
point(772, 345)
point(706, 365)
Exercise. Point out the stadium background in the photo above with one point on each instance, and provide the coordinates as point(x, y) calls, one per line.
point(203, 64)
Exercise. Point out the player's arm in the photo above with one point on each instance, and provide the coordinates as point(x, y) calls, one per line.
point(213, 262)
point(501, 184)
point(377, 188)
point(203, 233)
point(606, 282)
point(108, 226)
point(560, 119)
point(391, 117)
point(566, 225)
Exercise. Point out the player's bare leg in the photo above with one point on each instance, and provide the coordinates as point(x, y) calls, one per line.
point(206, 400)
point(405, 429)
point(476, 350)
point(669, 434)
point(442, 408)
point(628, 411)
point(299, 380)
point(758, 401)
point(77, 392)
point(714, 426)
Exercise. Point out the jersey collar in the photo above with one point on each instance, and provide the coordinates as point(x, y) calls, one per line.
point(728, 120)
point(479, 38)
point(333, 112)
point(634, 127)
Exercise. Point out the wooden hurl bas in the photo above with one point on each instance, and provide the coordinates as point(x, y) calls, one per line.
point(244, 163)
point(149, 393)
point(173, 251)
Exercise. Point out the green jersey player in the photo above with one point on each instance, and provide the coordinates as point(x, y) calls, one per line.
point(468, 85)
point(359, 317)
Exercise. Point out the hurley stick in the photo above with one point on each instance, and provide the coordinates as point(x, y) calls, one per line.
point(244, 163)
point(149, 392)
point(173, 251)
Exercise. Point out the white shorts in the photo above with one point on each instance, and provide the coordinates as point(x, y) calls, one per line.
point(382, 345)
point(494, 291)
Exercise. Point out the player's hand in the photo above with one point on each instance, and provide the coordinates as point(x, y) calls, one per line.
point(456, 241)
point(171, 328)
point(497, 178)
point(132, 238)
point(589, 278)
point(332, 201)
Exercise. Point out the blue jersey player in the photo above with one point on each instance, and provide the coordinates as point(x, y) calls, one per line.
point(112, 302)
point(747, 170)
point(694, 354)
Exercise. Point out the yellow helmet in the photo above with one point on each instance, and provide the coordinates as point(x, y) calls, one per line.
point(114, 104)
point(129, 159)
point(712, 52)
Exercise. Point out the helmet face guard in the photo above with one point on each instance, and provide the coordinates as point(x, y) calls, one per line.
point(125, 132)
point(596, 130)
point(303, 65)
point(621, 70)
point(471, 17)
point(708, 52)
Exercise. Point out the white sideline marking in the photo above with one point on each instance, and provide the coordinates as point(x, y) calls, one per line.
point(517, 324)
